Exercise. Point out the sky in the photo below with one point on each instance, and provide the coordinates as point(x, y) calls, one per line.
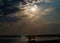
point(46, 21)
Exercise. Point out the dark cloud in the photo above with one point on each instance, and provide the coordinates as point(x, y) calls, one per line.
point(20, 25)
point(8, 19)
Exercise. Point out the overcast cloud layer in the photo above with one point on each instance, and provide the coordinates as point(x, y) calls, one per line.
point(46, 22)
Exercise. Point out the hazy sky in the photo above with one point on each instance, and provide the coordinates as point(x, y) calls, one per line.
point(46, 21)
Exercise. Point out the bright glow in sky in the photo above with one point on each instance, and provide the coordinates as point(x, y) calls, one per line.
point(32, 9)
point(33, 18)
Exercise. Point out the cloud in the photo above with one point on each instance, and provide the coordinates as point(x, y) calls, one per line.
point(38, 1)
point(48, 0)
point(43, 14)
point(48, 10)
point(20, 24)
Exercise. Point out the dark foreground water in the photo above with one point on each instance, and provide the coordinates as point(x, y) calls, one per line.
point(27, 39)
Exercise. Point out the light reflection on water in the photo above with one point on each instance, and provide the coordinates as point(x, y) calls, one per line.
point(26, 40)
